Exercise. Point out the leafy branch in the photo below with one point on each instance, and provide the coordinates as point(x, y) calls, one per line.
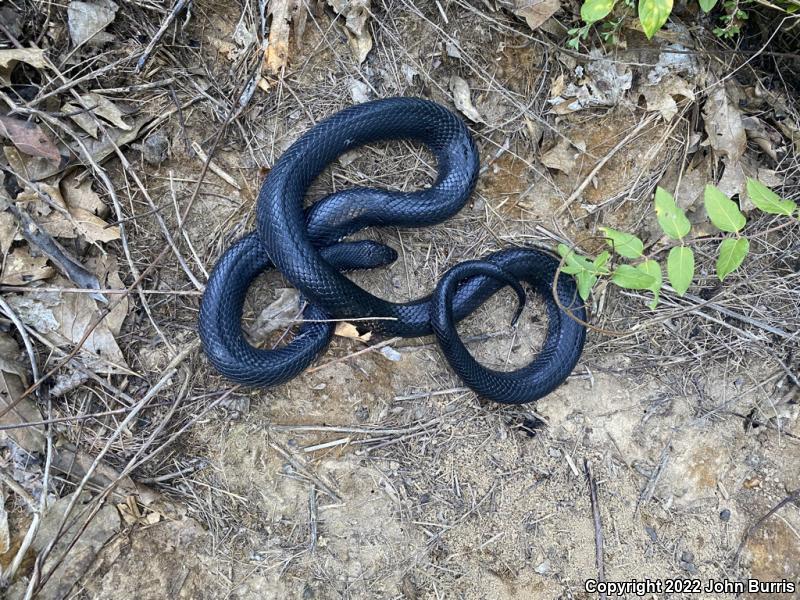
point(645, 272)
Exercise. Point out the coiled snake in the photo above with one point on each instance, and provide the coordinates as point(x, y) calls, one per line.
point(305, 247)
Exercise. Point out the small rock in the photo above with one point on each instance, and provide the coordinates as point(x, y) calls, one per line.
point(687, 556)
point(543, 568)
point(689, 567)
point(155, 148)
point(724, 515)
point(362, 413)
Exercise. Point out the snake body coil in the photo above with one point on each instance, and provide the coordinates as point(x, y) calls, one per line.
point(304, 246)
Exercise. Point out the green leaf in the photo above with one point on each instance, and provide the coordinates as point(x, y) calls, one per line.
point(594, 10)
point(601, 260)
point(624, 244)
point(653, 14)
point(632, 278)
point(573, 259)
point(670, 216)
point(767, 200)
point(731, 254)
point(723, 212)
point(680, 268)
point(586, 282)
point(707, 5)
point(653, 269)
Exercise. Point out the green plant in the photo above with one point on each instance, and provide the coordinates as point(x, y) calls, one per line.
point(653, 14)
point(644, 272)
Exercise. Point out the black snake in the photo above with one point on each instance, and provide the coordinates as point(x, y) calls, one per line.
point(305, 246)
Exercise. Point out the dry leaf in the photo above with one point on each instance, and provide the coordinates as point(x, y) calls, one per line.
point(9, 231)
point(31, 168)
point(103, 107)
point(32, 56)
point(81, 118)
point(71, 220)
point(348, 330)
point(21, 268)
point(13, 411)
point(461, 97)
point(535, 12)
point(724, 126)
point(603, 84)
point(64, 318)
point(29, 138)
point(356, 13)
point(81, 195)
point(359, 91)
point(764, 135)
point(278, 315)
point(562, 156)
point(661, 97)
point(87, 20)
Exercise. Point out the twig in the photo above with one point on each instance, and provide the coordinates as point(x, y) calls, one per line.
point(598, 524)
point(157, 37)
point(601, 163)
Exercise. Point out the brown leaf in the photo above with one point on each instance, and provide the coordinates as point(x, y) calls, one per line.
point(535, 12)
point(64, 318)
point(32, 56)
point(462, 99)
point(13, 411)
point(21, 268)
point(356, 13)
point(724, 126)
point(29, 138)
point(348, 330)
point(562, 157)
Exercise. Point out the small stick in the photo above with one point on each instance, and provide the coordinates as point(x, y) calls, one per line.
point(579, 190)
point(598, 524)
point(305, 471)
point(312, 517)
point(157, 37)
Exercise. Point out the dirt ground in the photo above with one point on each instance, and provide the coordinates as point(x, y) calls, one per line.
point(379, 475)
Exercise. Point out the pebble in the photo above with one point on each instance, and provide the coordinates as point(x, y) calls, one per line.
point(155, 148)
point(362, 413)
point(724, 515)
point(543, 568)
point(687, 556)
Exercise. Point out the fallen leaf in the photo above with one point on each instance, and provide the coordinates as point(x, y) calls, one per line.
point(105, 108)
point(278, 315)
point(61, 219)
point(359, 91)
point(661, 96)
point(348, 330)
point(535, 12)
point(561, 157)
point(32, 56)
point(462, 99)
point(83, 539)
point(723, 122)
point(764, 135)
point(604, 83)
point(13, 411)
point(64, 318)
point(87, 20)
point(29, 138)
point(9, 231)
point(21, 268)
point(31, 168)
point(79, 194)
point(356, 13)
point(81, 118)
